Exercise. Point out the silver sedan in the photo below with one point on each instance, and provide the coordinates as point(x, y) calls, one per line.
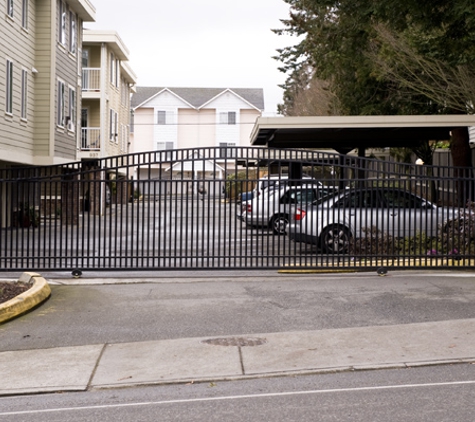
point(332, 221)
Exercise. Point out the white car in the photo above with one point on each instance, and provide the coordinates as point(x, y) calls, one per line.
point(269, 181)
point(273, 207)
point(331, 222)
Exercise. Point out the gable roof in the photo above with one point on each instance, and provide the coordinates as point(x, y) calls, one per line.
point(198, 97)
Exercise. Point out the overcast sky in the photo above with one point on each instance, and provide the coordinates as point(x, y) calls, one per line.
point(200, 43)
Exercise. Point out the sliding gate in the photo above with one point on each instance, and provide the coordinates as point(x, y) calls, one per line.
point(204, 209)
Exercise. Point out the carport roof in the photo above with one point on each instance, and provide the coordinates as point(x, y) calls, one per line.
point(345, 133)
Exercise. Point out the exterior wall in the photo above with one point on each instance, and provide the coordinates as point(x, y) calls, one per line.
point(16, 134)
point(67, 65)
point(191, 127)
point(143, 130)
point(46, 20)
point(36, 49)
point(188, 129)
point(248, 119)
point(109, 105)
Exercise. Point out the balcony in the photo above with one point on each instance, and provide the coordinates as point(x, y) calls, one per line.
point(91, 79)
point(90, 139)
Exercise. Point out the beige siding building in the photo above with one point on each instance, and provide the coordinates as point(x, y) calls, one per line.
point(40, 79)
point(176, 118)
point(168, 119)
point(107, 85)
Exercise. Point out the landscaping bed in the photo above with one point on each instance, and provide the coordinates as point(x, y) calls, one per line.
point(10, 290)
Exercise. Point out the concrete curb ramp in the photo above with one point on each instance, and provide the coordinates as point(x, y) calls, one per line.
point(36, 294)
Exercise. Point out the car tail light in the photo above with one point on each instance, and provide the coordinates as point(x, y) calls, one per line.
point(299, 215)
point(248, 208)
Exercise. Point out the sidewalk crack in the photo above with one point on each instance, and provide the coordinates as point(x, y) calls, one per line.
point(93, 373)
point(241, 361)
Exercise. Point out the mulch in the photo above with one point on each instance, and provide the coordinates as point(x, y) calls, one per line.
point(10, 290)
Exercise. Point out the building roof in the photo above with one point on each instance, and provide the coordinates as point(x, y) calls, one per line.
point(198, 97)
point(345, 133)
point(85, 9)
point(111, 38)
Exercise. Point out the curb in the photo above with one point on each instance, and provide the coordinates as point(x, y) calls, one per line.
point(36, 294)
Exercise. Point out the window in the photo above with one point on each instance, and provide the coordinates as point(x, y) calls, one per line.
point(72, 110)
point(24, 14)
point(360, 199)
point(161, 117)
point(125, 93)
point(9, 88)
point(113, 126)
point(61, 104)
point(10, 8)
point(401, 199)
point(112, 68)
point(24, 94)
point(72, 32)
point(62, 22)
point(226, 150)
point(167, 146)
point(117, 73)
point(227, 118)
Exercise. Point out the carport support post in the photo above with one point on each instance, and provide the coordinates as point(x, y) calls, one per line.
point(295, 172)
point(361, 166)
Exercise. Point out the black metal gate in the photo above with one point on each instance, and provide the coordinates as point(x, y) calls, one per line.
point(205, 209)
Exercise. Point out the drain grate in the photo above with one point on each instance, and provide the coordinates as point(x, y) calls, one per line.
point(236, 341)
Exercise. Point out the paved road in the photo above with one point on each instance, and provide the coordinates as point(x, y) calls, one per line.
point(176, 305)
point(426, 394)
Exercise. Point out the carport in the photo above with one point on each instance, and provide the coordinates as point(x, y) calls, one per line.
point(346, 133)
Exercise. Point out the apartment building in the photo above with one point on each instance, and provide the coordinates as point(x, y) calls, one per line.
point(40, 47)
point(107, 85)
point(167, 119)
point(172, 118)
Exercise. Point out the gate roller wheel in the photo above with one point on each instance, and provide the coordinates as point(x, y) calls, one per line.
point(382, 271)
point(76, 273)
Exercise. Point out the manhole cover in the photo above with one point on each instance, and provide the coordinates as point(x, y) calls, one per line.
point(236, 341)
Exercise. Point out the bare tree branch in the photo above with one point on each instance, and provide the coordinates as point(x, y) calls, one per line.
point(451, 87)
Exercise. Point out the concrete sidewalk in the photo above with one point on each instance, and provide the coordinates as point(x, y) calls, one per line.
point(213, 359)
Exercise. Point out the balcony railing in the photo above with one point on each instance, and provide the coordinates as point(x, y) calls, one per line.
point(91, 79)
point(90, 139)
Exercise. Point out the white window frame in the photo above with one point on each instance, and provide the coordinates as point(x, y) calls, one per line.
point(72, 115)
point(9, 88)
point(226, 151)
point(61, 112)
point(10, 8)
point(161, 117)
point(62, 22)
point(24, 95)
point(112, 68)
point(25, 14)
point(72, 32)
point(117, 73)
point(227, 118)
point(167, 146)
point(113, 126)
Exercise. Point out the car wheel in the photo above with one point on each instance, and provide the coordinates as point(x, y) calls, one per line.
point(279, 223)
point(335, 239)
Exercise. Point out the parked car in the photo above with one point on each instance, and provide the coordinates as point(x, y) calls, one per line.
point(273, 207)
point(269, 181)
point(331, 222)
